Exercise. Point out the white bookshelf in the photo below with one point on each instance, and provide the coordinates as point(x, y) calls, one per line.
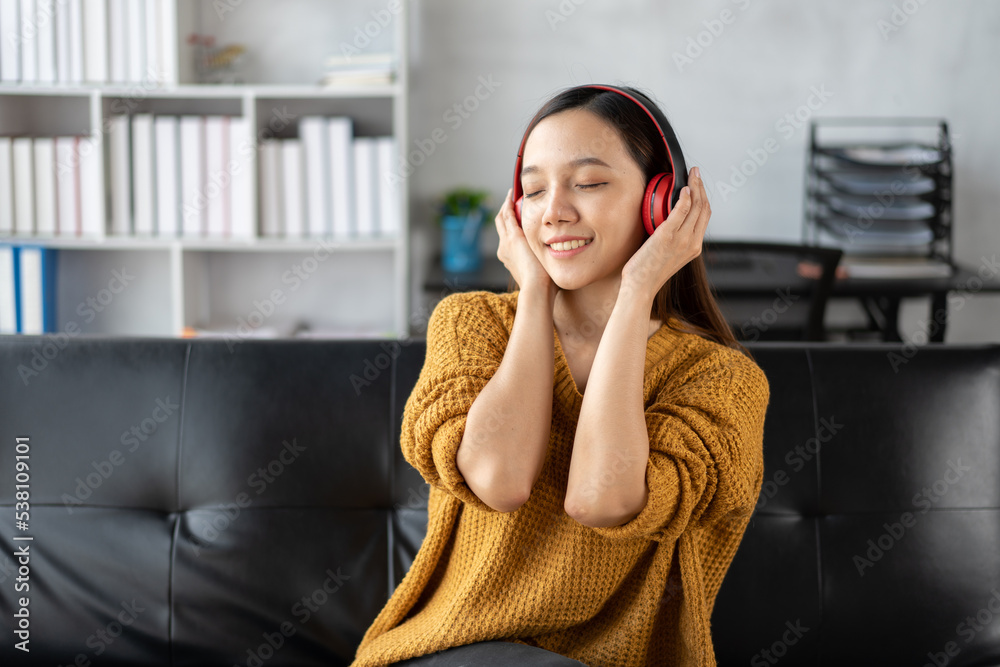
point(359, 287)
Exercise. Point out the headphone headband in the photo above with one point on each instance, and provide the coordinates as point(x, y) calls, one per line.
point(678, 169)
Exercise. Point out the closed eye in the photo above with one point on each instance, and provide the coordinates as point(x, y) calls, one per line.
point(591, 185)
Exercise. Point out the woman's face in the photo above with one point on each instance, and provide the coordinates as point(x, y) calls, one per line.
point(582, 199)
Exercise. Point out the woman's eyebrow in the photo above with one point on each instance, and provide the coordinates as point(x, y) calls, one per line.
point(579, 162)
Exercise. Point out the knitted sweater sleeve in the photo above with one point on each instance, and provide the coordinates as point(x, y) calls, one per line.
point(706, 457)
point(466, 339)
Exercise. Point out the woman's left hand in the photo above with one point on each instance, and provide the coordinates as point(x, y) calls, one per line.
point(674, 243)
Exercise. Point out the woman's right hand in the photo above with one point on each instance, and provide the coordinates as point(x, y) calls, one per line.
point(516, 254)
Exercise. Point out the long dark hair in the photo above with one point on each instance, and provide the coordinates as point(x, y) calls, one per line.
point(687, 295)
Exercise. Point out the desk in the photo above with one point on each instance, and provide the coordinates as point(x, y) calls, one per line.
point(880, 298)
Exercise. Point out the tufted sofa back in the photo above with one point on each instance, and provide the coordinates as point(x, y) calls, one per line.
point(217, 503)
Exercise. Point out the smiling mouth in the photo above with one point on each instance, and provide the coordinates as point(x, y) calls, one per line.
point(570, 245)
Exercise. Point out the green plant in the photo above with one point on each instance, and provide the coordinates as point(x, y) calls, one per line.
point(464, 202)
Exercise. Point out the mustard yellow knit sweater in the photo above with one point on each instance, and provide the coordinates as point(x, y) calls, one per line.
point(640, 593)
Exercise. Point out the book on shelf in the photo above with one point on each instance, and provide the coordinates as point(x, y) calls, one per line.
point(74, 41)
point(6, 186)
point(68, 186)
point(143, 176)
point(365, 181)
point(340, 133)
point(24, 186)
point(120, 173)
point(10, 49)
point(50, 186)
point(168, 212)
point(270, 188)
point(216, 190)
point(328, 183)
point(292, 188)
point(45, 186)
point(27, 289)
point(313, 130)
point(192, 133)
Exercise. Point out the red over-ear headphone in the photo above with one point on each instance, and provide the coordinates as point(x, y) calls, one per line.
point(662, 191)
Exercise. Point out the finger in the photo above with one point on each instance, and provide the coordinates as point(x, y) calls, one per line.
point(698, 197)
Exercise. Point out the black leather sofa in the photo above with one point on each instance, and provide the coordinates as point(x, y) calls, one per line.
point(246, 503)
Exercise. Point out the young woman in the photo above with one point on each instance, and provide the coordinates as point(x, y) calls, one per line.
point(593, 441)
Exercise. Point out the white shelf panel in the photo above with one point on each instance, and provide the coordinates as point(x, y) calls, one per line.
point(263, 91)
point(211, 245)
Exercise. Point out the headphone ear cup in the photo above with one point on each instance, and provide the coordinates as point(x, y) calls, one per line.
point(656, 201)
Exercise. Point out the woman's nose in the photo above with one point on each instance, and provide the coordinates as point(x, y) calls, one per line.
point(558, 207)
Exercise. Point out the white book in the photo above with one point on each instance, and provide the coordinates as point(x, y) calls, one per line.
point(29, 42)
point(167, 25)
point(45, 186)
point(240, 158)
point(61, 18)
point(366, 205)
point(293, 192)
point(95, 41)
point(74, 45)
point(218, 181)
point(67, 186)
point(388, 186)
point(271, 206)
point(10, 50)
point(120, 173)
point(316, 149)
point(340, 131)
point(45, 29)
point(192, 133)
point(143, 175)
point(118, 41)
point(168, 210)
point(8, 300)
point(136, 40)
point(92, 220)
point(24, 186)
point(152, 70)
point(31, 290)
point(6, 187)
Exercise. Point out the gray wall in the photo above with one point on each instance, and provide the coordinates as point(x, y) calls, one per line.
point(765, 63)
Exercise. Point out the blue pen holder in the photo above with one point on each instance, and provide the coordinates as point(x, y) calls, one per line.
point(460, 243)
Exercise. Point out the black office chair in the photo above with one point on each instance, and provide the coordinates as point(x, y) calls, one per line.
point(772, 291)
